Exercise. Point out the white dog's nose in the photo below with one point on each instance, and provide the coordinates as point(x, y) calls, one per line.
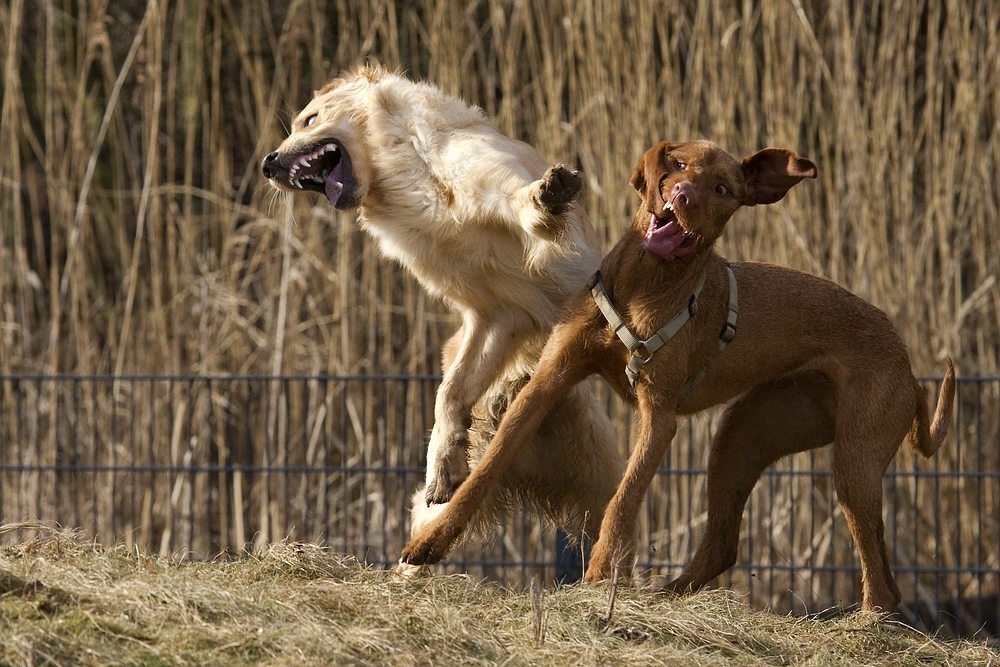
point(269, 166)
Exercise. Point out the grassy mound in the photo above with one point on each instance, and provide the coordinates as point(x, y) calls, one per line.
point(65, 601)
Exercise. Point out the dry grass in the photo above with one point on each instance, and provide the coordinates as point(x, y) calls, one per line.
point(66, 602)
point(137, 236)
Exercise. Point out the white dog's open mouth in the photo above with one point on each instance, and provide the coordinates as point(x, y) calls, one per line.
point(324, 168)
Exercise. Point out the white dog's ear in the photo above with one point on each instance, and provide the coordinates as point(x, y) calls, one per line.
point(769, 174)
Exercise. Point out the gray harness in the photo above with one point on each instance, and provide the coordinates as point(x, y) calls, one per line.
point(642, 350)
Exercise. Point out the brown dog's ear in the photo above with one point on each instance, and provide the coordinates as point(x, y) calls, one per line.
point(638, 180)
point(651, 166)
point(770, 173)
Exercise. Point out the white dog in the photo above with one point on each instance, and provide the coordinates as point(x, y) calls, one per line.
point(483, 224)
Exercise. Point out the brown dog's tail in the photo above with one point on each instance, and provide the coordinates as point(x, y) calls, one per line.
point(926, 436)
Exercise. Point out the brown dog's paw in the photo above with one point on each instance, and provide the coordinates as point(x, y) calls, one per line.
point(427, 548)
point(558, 188)
point(680, 586)
point(605, 559)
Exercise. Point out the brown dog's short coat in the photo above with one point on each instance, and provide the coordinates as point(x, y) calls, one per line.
point(811, 364)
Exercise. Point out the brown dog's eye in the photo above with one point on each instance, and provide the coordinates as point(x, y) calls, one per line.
point(682, 165)
point(721, 189)
point(309, 121)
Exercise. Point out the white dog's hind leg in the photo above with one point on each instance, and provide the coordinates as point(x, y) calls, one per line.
point(485, 349)
point(543, 202)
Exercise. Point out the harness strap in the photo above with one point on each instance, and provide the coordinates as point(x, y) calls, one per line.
point(727, 335)
point(596, 286)
point(642, 350)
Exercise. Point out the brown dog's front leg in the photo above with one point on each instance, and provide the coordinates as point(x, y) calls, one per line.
point(613, 549)
point(557, 372)
point(521, 421)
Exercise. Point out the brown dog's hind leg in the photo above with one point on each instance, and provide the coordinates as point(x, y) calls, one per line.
point(771, 421)
point(860, 497)
point(871, 423)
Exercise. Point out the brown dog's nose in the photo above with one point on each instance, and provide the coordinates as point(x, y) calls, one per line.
point(269, 166)
point(682, 194)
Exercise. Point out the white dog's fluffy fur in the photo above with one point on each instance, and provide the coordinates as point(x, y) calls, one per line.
point(481, 222)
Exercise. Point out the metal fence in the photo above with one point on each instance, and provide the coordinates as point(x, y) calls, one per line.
point(195, 466)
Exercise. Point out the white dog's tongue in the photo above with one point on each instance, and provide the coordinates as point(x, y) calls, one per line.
point(335, 184)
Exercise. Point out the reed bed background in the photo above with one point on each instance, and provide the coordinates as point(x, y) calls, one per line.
point(138, 236)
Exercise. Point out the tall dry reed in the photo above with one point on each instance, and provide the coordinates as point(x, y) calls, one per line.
point(137, 236)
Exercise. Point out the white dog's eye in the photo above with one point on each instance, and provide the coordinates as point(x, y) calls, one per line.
point(721, 189)
point(309, 121)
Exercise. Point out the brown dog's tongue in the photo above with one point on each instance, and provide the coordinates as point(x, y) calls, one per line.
point(663, 239)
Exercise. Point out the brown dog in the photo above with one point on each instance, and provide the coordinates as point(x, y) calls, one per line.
point(811, 365)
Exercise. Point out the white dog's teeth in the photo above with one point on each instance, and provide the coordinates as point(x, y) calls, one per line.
point(330, 148)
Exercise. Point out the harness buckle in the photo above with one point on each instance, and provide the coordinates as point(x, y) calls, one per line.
point(642, 353)
point(635, 363)
point(728, 332)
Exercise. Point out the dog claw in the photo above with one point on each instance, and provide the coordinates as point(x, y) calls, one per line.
point(419, 556)
point(559, 187)
point(450, 469)
point(430, 546)
point(441, 489)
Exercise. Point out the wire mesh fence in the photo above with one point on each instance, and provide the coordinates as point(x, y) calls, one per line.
point(195, 466)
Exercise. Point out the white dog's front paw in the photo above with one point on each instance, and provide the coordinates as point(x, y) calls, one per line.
point(407, 572)
point(558, 187)
point(449, 468)
point(549, 200)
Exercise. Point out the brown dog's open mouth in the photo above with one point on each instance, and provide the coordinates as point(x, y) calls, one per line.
point(325, 168)
point(666, 237)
